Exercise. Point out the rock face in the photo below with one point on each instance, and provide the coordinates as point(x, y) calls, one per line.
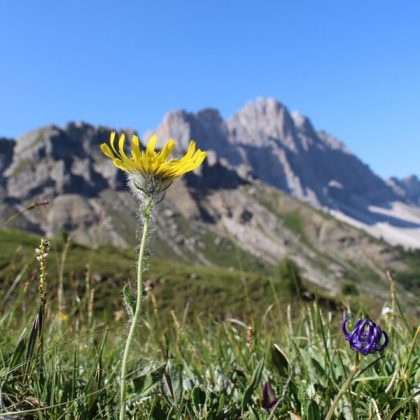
point(56, 178)
point(263, 141)
point(283, 150)
point(53, 161)
point(6, 156)
point(407, 188)
point(63, 171)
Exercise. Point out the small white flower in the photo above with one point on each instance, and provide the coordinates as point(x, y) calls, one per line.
point(385, 311)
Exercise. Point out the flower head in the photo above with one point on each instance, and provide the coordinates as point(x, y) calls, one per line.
point(41, 255)
point(152, 171)
point(366, 336)
point(268, 399)
point(386, 310)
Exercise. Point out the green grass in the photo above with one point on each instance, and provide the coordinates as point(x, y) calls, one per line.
point(220, 291)
point(186, 370)
point(209, 339)
point(293, 221)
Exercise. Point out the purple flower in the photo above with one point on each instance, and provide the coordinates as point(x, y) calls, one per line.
point(366, 336)
point(268, 399)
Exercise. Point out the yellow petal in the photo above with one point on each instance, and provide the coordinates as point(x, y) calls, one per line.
point(167, 149)
point(191, 149)
point(150, 149)
point(121, 147)
point(120, 164)
point(107, 151)
point(199, 158)
point(112, 141)
point(135, 148)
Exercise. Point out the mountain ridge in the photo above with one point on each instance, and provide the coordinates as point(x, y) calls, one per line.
point(284, 150)
point(232, 206)
point(263, 141)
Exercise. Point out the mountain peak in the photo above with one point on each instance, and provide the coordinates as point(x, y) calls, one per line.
point(210, 116)
point(261, 122)
point(263, 106)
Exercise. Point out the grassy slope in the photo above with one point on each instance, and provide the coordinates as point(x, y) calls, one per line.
point(221, 290)
point(184, 370)
point(216, 290)
point(361, 264)
point(368, 263)
point(215, 371)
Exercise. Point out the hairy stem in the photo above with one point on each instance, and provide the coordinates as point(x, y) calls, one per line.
point(123, 385)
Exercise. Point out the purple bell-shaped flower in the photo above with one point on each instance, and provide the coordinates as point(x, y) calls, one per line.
point(366, 336)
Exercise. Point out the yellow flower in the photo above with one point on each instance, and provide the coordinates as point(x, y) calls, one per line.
point(63, 316)
point(149, 163)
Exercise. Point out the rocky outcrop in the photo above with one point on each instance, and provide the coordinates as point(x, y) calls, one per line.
point(53, 160)
point(7, 147)
point(283, 150)
point(407, 188)
point(262, 142)
point(56, 178)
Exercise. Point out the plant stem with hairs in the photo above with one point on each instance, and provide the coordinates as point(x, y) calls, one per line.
point(123, 385)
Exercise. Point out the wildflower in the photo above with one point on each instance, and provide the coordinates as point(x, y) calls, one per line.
point(268, 399)
point(62, 316)
point(366, 336)
point(151, 172)
point(386, 310)
point(41, 255)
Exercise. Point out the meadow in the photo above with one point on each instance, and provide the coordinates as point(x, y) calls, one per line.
point(211, 344)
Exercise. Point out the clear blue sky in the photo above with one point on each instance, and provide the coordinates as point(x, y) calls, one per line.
point(352, 66)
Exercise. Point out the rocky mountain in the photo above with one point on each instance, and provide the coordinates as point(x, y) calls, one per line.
point(267, 190)
point(284, 150)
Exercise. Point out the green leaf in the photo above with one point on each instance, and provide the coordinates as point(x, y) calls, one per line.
point(255, 381)
point(314, 412)
point(19, 350)
point(280, 361)
point(318, 370)
point(172, 384)
point(145, 383)
point(221, 404)
point(198, 397)
point(157, 413)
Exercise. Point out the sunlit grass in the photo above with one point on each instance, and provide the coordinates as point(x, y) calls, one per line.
point(191, 364)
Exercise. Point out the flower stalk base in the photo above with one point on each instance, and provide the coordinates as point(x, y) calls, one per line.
point(136, 315)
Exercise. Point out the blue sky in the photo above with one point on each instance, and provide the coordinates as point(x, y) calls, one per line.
point(353, 66)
